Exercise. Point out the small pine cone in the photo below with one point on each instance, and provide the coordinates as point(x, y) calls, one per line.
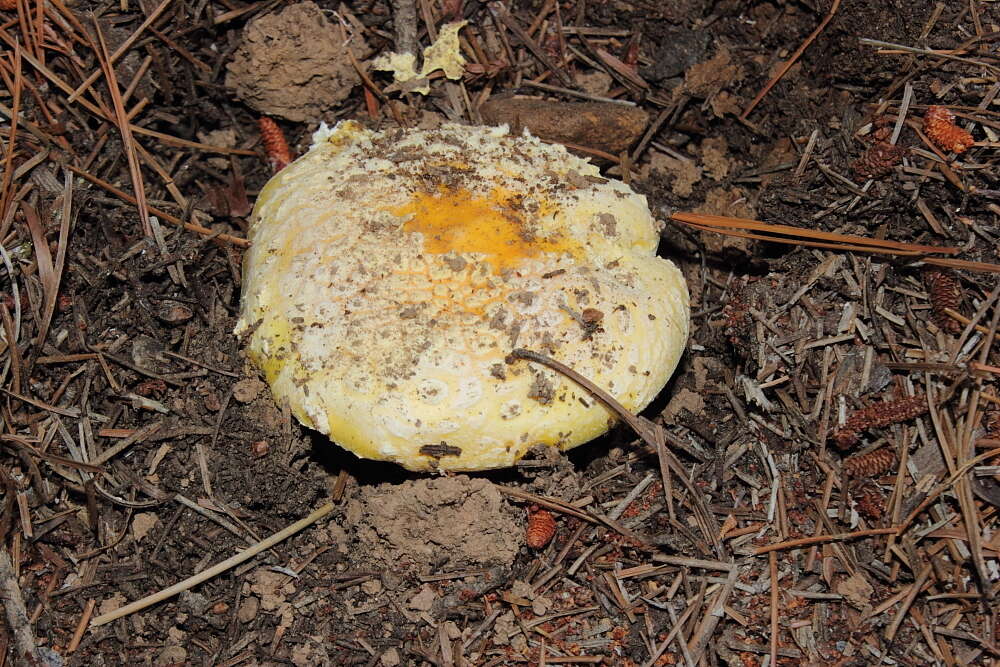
point(879, 414)
point(541, 528)
point(870, 503)
point(872, 464)
point(945, 292)
point(278, 153)
point(940, 127)
point(878, 160)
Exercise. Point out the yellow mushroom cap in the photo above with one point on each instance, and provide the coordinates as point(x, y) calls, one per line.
point(391, 274)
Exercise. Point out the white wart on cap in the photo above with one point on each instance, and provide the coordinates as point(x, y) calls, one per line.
point(391, 273)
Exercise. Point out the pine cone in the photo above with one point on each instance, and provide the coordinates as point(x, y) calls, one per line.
point(541, 528)
point(945, 292)
point(278, 153)
point(878, 160)
point(879, 414)
point(872, 464)
point(940, 127)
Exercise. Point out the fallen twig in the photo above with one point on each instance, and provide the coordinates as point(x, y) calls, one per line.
point(404, 24)
point(125, 128)
point(820, 539)
point(216, 569)
point(501, 14)
point(17, 614)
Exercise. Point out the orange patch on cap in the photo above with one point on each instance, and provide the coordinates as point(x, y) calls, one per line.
point(454, 220)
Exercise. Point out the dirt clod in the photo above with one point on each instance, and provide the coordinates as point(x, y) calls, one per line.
point(735, 203)
point(271, 587)
point(684, 174)
point(248, 610)
point(247, 389)
point(425, 522)
point(293, 64)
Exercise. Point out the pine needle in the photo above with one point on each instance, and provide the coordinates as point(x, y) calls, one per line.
point(126, 130)
point(804, 237)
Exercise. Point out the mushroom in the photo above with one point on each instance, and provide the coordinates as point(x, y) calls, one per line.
point(392, 273)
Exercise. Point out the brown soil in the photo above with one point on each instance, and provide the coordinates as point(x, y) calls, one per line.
point(412, 570)
point(427, 524)
point(293, 64)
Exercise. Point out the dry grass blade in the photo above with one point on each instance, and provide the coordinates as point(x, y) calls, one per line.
point(820, 539)
point(806, 237)
point(163, 215)
point(184, 143)
point(48, 273)
point(100, 111)
point(66, 215)
point(10, 338)
point(621, 68)
point(26, 446)
point(970, 515)
point(952, 452)
point(107, 115)
point(500, 13)
point(551, 503)
point(979, 267)
point(944, 486)
point(911, 595)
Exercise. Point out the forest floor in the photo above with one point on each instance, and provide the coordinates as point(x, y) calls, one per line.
point(835, 410)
